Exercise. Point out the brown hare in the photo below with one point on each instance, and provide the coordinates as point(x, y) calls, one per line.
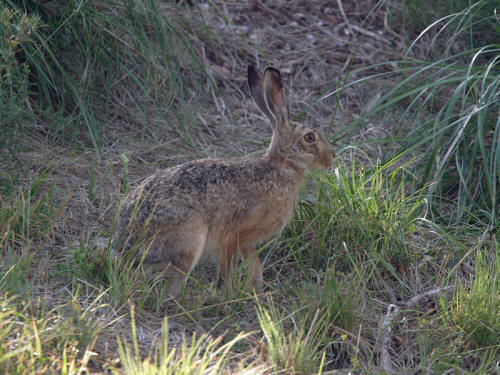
point(220, 206)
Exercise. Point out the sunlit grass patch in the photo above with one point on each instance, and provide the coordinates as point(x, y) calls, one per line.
point(475, 309)
point(294, 348)
point(372, 211)
point(200, 355)
point(37, 339)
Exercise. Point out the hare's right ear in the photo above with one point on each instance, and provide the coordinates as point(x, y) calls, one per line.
point(257, 91)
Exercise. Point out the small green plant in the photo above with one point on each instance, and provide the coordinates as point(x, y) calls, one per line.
point(90, 261)
point(295, 351)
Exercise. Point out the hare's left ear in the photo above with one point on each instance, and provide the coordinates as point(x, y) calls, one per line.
point(275, 97)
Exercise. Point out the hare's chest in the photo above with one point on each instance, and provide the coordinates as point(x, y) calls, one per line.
point(266, 219)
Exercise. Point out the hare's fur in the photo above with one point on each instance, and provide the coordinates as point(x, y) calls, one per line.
point(220, 206)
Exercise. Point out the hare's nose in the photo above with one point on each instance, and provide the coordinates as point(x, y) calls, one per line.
point(333, 152)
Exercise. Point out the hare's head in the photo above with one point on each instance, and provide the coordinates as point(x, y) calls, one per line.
point(304, 146)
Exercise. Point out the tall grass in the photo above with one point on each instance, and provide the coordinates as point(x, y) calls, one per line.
point(449, 96)
point(372, 210)
point(482, 27)
point(92, 64)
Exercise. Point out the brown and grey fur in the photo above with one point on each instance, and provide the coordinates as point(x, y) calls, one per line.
point(220, 206)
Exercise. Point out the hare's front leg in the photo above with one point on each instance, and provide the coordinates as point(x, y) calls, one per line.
point(254, 267)
point(227, 262)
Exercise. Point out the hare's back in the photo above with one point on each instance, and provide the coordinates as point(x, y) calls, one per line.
point(218, 189)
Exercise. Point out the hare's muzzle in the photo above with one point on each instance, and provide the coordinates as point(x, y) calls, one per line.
point(328, 157)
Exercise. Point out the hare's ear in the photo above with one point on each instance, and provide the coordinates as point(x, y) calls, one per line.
point(257, 91)
point(274, 95)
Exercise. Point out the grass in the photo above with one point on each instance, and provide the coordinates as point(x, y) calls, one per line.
point(296, 350)
point(455, 99)
point(202, 355)
point(35, 339)
point(408, 210)
point(361, 215)
point(139, 61)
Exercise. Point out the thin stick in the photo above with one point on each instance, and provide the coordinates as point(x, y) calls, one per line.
point(438, 291)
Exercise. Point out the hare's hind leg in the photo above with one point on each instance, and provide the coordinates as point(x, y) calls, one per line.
point(185, 245)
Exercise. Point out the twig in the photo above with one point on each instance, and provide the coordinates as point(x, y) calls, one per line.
point(438, 291)
point(390, 315)
point(385, 357)
point(344, 16)
point(370, 34)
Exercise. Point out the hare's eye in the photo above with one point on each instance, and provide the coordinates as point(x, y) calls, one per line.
point(309, 137)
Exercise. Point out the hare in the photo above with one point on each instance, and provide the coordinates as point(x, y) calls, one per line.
point(219, 206)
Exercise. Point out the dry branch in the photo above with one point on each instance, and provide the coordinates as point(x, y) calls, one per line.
point(387, 319)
